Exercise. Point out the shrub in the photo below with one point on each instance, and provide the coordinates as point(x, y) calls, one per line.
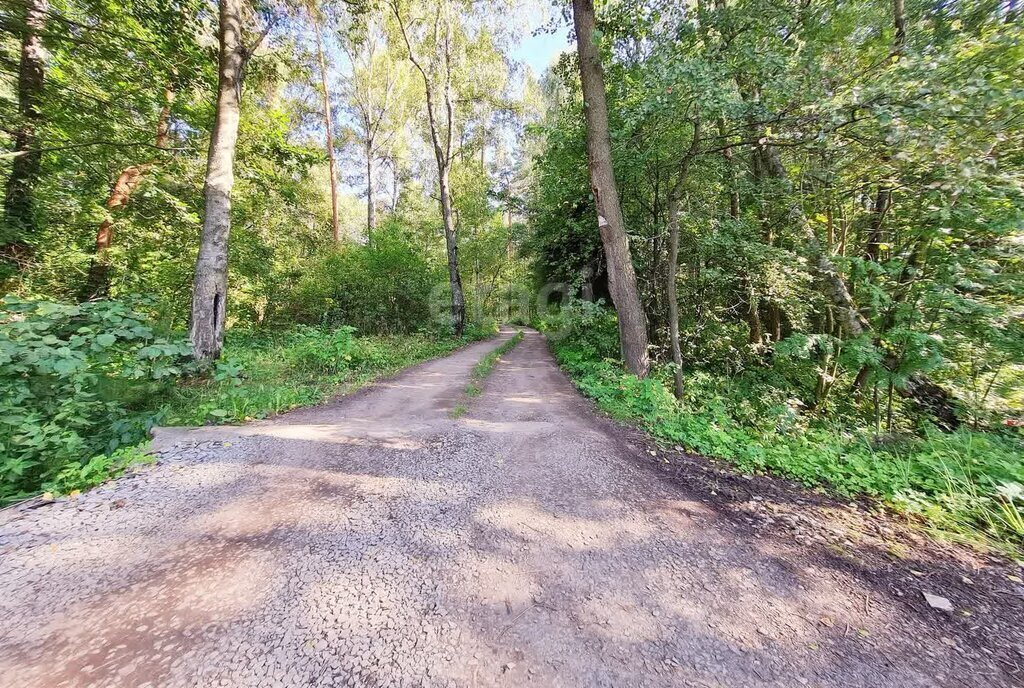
point(73, 379)
point(313, 350)
point(962, 482)
point(382, 288)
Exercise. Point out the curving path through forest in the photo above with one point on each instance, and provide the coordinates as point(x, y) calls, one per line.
point(378, 541)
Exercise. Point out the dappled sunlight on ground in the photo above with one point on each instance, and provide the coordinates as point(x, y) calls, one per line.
point(334, 546)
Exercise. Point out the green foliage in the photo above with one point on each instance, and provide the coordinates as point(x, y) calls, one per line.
point(313, 351)
point(964, 482)
point(382, 287)
point(76, 476)
point(73, 378)
point(82, 383)
point(591, 328)
point(906, 167)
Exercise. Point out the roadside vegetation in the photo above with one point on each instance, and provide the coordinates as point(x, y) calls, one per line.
point(825, 212)
point(133, 297)
point(485, 365)
point(964, 485)
point(789, 233)
point(82, 384)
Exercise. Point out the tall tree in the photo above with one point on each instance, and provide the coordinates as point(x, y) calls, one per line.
point(209, 287)
point(20, 222)
point(375, 99)
point(673, 258)
point(328, 125)
point(610, 222)
point(441, 120)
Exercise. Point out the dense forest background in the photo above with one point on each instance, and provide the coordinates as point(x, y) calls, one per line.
point(823, 203)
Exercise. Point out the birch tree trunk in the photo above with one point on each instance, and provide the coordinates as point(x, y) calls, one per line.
point(442, 144)
point(371, 210)
point(20, 225)
point(621, 275)
point(209, 288)
point(329, 128)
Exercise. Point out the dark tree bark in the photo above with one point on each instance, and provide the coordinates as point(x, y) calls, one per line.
point(442, 144)
point(20, 222)
point(621, 274)
point(873, 245)
point(209, 288)
point(900, 22)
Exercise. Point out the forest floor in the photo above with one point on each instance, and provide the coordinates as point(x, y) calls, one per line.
point(378, 540)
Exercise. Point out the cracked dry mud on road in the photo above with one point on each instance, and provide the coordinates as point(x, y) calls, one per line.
point(376, 541)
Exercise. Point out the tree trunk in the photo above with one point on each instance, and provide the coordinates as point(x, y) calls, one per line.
point(97, 282)
point(329, 128)
point(452, 246)
point(673, 260)
point(853, 323)
point(900, 22)
point(673, 298)
point(371, 211)
point(20, 222)
point(443, 155)
point(209, 289)
point(621, 275)
point(873, 245)
point(734, 192)
point(755, 335)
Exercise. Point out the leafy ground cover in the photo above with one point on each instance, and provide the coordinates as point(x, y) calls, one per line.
point(965, 485)
point(82, 384)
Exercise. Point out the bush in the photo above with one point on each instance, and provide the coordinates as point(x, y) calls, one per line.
point(73, 379)
point(963, 482)
point(381, 288)
point(313, 350)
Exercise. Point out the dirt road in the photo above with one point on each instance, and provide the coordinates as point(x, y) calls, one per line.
point(377, 541)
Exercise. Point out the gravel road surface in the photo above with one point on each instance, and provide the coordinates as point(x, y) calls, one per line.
point(378, 541)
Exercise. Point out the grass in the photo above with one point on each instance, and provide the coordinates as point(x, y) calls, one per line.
point(481, 370)
point(266, 375)
point(964, 485)
point(259, 374)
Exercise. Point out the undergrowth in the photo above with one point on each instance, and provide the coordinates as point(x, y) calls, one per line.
point(82, 384)
point(965, 484)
